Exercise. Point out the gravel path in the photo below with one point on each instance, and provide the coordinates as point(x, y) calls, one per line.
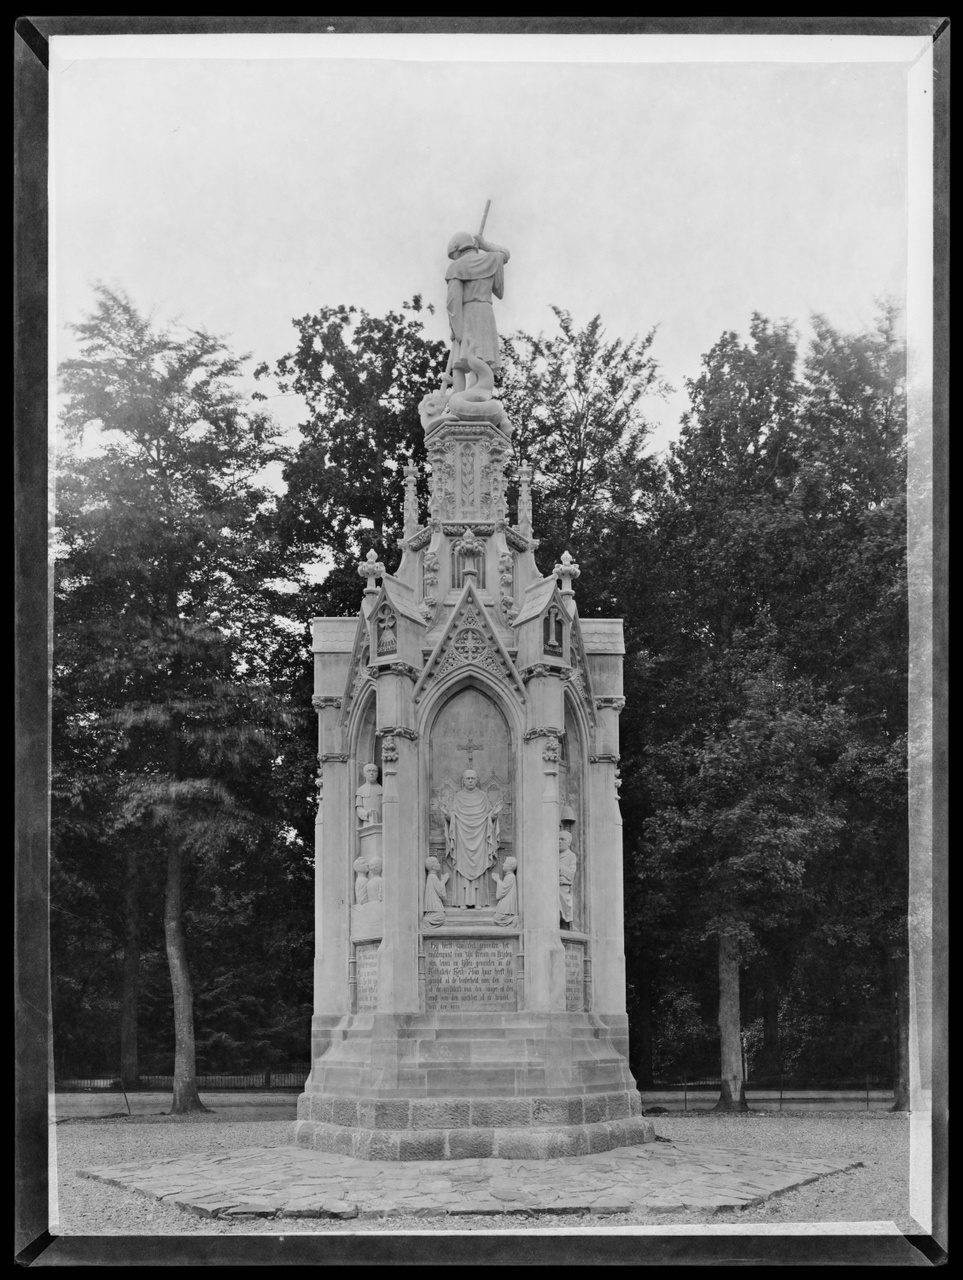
point(876, 1192)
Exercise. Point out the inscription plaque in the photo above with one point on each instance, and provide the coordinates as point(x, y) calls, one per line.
point(574, 977)
point(469, 973)
point(366, 975)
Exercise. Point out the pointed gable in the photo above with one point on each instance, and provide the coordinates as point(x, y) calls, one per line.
point(357, 669)
point(580, 679)
point(469, 639)
point(537, 597)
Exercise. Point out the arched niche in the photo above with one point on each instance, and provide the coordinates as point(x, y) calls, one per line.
point(470, 730)
point(367, 748)
point(571, 793)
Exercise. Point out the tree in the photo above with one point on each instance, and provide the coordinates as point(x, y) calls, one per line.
point(168, 584)
point(362, 378)
point(781, 558)
point(577, 401)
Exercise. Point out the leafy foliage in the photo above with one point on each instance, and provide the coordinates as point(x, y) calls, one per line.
point(168, 585)
point(362, 378)
point(577, 400)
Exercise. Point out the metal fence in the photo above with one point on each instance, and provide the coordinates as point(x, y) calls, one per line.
point(788, 1088)
point(289, 1076)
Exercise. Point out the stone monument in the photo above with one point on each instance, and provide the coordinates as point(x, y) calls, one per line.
point(469, 995)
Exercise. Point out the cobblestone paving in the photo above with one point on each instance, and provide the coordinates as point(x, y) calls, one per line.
point(288, 1182)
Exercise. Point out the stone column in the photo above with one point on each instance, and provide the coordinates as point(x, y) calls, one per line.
point(538, 864)
point(332, 850)
point(403, 877)
point(603, 865)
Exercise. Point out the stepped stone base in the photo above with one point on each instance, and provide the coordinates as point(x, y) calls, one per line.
point(509, 1143)
point(449, 1086)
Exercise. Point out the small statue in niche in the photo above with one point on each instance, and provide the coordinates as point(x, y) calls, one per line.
point(376, 891)
point(506, 895)
point(434, 901)
point(567, 867)
point(367, 800)
point(360, 881)
point(552, 632)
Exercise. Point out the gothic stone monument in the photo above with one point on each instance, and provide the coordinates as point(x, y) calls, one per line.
point(469, 993)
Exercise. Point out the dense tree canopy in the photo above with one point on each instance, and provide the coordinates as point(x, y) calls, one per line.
point(779, 546)
point(169, 586)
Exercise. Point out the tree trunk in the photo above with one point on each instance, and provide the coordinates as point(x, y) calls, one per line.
point(185, 1097)
point(130, 993)
point(901, 1021)
point(732, 1096)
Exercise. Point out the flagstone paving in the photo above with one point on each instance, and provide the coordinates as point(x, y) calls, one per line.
point(290, 1182)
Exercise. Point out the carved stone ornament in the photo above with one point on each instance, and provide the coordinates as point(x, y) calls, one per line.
point(389, 749)
point(427, 608)
point(568, 570)
point(468, 545)
point(369, 569)
point(398, 731)
point(551, 751)
point(399, 669)
point(549, 732)
point(478, 530)
point(321, 700)
point(605, 758)
point(386, 623)
point(613, 704)
point(430, 569)
point(538, 670)
point(338, 756)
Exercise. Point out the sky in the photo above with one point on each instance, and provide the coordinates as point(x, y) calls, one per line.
point(234, 183)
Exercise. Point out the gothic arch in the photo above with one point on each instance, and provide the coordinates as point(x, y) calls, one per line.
point(471, 724)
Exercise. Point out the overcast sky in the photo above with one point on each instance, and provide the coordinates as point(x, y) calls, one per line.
point(238, 182)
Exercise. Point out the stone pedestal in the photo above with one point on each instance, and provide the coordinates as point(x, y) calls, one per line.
point(451, 1022)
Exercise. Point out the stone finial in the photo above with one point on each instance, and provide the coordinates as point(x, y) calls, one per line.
point(369, 569)
point(411, 501)
point(567, 571)
point(524, 526)
point(469, 548)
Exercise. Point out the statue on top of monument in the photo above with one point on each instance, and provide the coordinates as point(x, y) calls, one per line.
point(477, 271)
point(367, 800)
point(471, 833)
